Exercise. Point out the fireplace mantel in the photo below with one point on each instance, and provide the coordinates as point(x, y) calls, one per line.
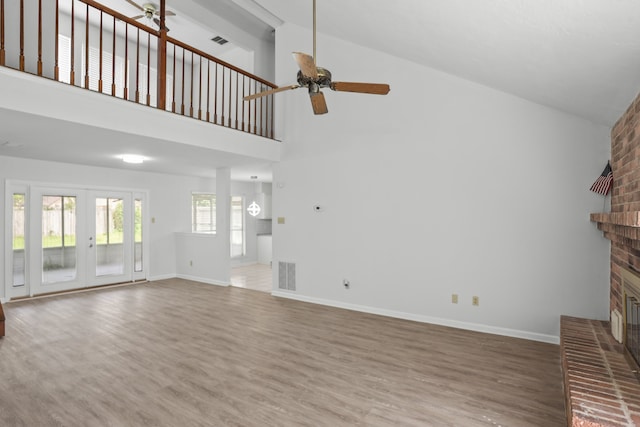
point(620, 227)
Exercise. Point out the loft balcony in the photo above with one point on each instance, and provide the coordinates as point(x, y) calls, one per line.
point(74, 65)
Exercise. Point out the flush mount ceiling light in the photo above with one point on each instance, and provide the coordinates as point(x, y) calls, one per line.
point(133, 158)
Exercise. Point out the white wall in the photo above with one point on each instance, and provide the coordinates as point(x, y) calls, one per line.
point(443, 186)
point(203, 258)
point(169, 200)
point(263, 61)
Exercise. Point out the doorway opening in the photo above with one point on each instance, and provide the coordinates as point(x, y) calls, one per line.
point(256, 277)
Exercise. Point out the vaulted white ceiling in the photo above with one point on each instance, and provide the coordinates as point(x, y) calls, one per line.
point(579, 56)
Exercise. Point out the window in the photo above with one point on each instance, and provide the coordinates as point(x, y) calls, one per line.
point(137, 235)
point(237, 226)
point(64, 59)
point(19, 260)
point(203, 213)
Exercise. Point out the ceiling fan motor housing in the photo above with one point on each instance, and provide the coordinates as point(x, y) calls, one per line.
point(323, 80)
point(149, 9)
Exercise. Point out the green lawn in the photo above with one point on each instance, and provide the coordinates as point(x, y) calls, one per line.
point(47, 242)
point(56, 241)
point(18, 242)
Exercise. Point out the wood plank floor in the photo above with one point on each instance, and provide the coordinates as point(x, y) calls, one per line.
point(180, 353)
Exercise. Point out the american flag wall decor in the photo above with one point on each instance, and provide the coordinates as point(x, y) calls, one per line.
point(604, 181)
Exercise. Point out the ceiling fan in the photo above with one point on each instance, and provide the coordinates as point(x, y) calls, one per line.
point(149, 10)
point(315, 78)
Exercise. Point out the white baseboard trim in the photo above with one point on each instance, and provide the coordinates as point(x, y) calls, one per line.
point(551, 339)
point(203, 280)
point(161, 277)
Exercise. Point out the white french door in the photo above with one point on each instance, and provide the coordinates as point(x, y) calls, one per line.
point(69, 238)
point(58, 231)
point(110, 238)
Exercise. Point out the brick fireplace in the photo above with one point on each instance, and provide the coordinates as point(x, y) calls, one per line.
point(602, 386)
point(622, 225)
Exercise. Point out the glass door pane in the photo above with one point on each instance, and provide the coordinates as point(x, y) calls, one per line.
point(109, 235)
point(18, 239)
point(59, 258)
point(137, 236)
point(110, 239)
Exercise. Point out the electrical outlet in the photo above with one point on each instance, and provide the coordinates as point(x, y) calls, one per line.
point(454, 298)
point(475, 300)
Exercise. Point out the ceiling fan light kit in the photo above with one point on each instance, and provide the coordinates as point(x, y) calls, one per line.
point(315, 78)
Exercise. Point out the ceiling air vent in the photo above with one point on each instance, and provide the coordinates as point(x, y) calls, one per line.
point(219, 40)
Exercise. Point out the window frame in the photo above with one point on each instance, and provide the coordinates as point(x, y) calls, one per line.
point(211, 197)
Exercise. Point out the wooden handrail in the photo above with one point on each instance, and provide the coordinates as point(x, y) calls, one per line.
point(220, 61)
point(120, 17)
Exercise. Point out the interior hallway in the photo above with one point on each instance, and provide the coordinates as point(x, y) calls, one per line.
point(256, 277)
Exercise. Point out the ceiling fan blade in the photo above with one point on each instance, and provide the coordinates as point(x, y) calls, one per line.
point(269, 92)
point(166, 13)
point(137, 17)
point(157, 22)
point(372, 88)
point(307, 64)
point(318, 103)
point(134, 4)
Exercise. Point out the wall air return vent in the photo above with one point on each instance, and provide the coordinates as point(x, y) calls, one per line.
point(287, 276)
point(219, 40)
